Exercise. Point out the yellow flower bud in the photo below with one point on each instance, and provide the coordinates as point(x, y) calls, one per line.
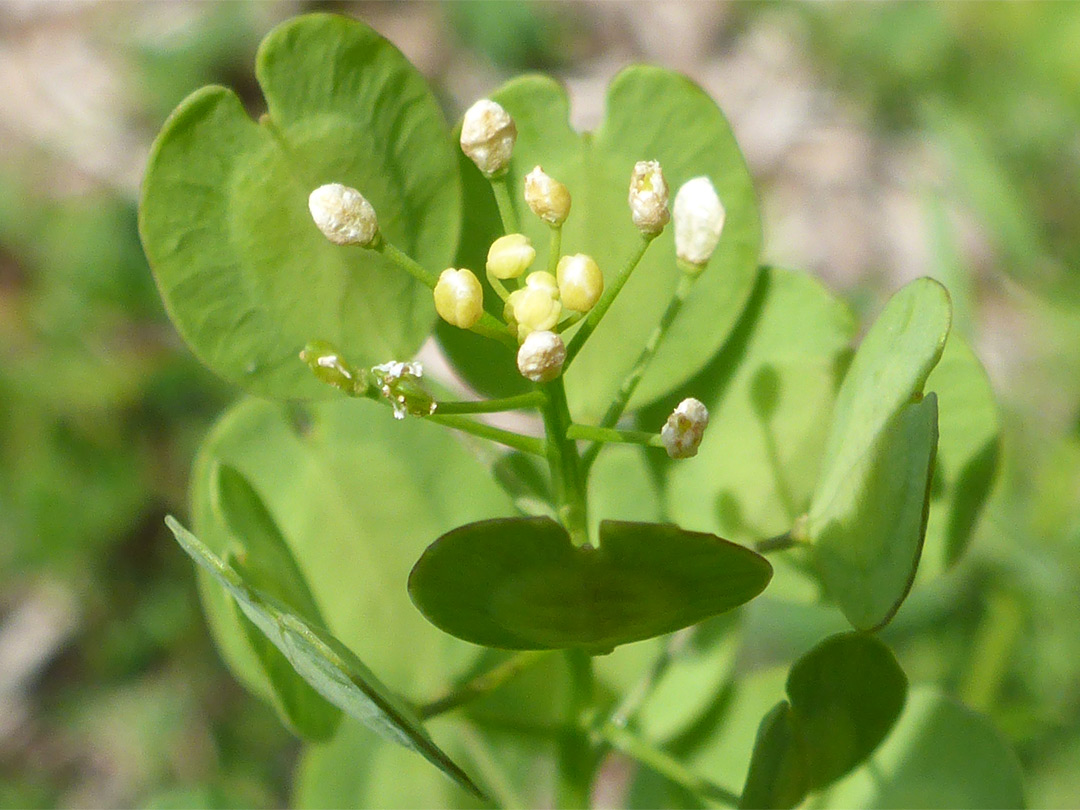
point(648, 197)
point(580, 282)
point(535, 307)
point(488, 134)
point(541, 356)
point(510, 256)
point(459, 298)
point(548, 198)
point(343, 215)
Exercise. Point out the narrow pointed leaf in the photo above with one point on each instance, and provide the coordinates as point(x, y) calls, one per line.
point(262, 555)
point(331, 669)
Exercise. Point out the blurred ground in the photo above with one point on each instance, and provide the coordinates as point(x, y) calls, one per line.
point(888, 142)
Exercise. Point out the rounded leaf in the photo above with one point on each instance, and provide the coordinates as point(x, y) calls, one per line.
point(940, 754)
point(846, 694)
point(969, 446)
point(246, 275)
point(519, 583)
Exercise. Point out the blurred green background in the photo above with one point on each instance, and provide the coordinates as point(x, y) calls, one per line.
point(888, 141)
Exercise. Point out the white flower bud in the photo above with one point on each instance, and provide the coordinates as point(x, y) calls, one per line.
point(510, 256)
point(548, 198)
point(541, 356)
point(535, 307)
point(459, 298)
point(683, 430)
point(580, 282)
point(648, 197)
point(699, 219)
point(343, 215)
point(487, 136)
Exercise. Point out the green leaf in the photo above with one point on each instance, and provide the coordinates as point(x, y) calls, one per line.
point(263, 557)
point(357, 496)
point(767, 392)
point(867, 518)
point(867, 552)
point(690, 685)
point(940, 754)
point(888, 371)
point(967, 458)
point(520, 584)
point(846, 694)
point(246, 276)
point(652, 114)
point(325, 663)
point(778, 774)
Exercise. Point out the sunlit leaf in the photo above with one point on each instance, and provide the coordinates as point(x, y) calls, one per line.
point(246, 276)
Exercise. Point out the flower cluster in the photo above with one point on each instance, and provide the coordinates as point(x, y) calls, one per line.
point(537, 305)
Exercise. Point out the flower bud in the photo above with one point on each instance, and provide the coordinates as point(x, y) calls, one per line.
point(648, 198)
point(400, 383)
point(487, 136)
point(509, 256)
point(343, 215)
point(459, 298)
point(682, 432)
point(535, 307)
point(327, 364)
point(699, 219)
point(541, 356)
point(548, 198)
point(580, 282)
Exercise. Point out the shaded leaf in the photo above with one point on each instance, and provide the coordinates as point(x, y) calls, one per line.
point(967, 458)
point(778, 771)
point(520, 583)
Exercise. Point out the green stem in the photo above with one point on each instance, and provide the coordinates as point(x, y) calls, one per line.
point(498, 286)
point(999, 630)
point(574, 318)
point(505, 200)
point(606, 435)
point(783, 491)
point(565, 464)
point(482, 684)
point(488, 325)
point(637, 372)
point(780, 542)
point(526, 444)
point(666, 765)
point(605, 302)
point(533, 399)
point(577, 758)
point(406, 263)
point(554, 248)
